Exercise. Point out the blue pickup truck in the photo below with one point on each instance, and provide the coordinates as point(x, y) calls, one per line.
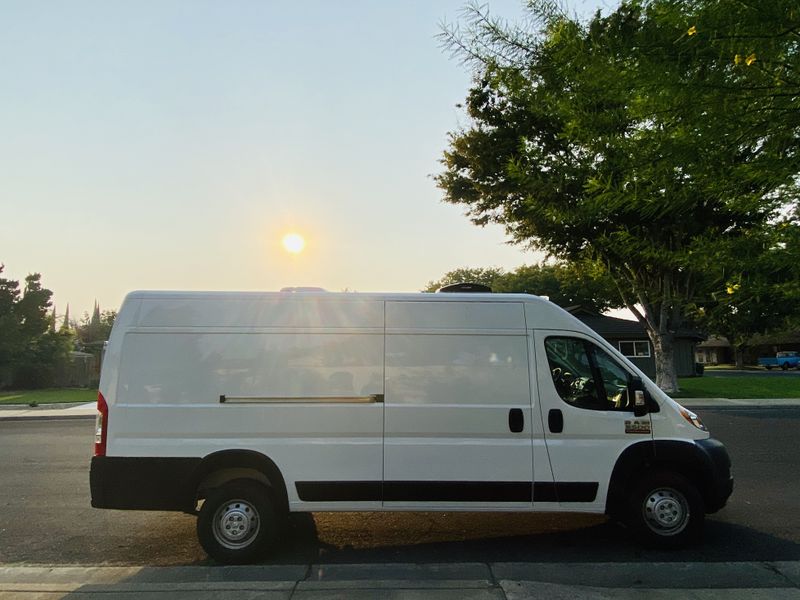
point(783, 360)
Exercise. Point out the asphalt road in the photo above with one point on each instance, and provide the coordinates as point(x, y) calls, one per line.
point(45, 517)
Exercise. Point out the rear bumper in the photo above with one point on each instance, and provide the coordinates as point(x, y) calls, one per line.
point(143, 483)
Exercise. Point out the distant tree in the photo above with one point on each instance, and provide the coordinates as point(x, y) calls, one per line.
point(485, 276)
point(30, 350)
point(11, 341)
point(66, 325)
point(95, 328)
point(564, 284)
point(32, 307)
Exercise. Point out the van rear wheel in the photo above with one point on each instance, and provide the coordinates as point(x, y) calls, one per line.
point(666, 510)
point(237, 522)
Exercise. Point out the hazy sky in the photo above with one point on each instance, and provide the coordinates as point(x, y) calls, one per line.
point(171, 145)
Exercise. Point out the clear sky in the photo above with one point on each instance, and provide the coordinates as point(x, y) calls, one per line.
point(172, 144)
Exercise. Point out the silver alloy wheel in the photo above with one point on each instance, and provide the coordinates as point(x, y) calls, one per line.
point(236, 524)
point(666, 511)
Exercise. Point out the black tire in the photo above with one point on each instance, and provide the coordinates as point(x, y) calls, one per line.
point(785, 367)
point(768, 368)
point(238, 523)
point(666, 510)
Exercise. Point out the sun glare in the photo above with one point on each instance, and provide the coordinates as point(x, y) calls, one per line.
point(294, 243)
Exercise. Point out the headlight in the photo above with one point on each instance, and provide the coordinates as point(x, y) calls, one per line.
point(692, 418)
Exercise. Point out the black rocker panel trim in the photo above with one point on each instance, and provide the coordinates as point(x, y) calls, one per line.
point(565, 491)
point(456, 491)
point(339, 491)
point(446, 491)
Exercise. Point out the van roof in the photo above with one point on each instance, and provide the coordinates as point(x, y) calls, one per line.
point(342, 309)
point(427, 296)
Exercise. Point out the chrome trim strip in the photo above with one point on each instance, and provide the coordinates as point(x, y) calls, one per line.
point(371, 399)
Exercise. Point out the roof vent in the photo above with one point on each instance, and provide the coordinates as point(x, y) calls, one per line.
point(465, 288)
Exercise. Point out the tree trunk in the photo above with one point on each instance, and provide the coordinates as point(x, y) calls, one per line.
point(664, 350)
point(738, 352)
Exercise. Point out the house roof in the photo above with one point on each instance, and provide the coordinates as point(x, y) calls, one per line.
point(621, 328)
point(614, 327)
point(715, 341)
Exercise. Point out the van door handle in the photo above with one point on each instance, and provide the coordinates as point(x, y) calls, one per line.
point(555, 419)
point(516, 420)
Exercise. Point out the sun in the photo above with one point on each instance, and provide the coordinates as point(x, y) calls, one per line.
point(293, 243)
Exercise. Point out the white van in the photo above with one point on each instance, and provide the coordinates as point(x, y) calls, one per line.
point(242, 407)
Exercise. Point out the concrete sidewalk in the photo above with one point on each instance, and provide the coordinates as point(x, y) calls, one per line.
point(49, 411)
point(89, 410)
point(739, 403)
point(457, 581)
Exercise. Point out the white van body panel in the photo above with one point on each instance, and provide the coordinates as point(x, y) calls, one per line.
point(313, 364)
point(453, 372)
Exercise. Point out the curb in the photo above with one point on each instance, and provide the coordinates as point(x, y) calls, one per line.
point(433, 580)
point(731, 403)
point(48, 418)
point(726, 407)
point(47, 406)
point(71, 410)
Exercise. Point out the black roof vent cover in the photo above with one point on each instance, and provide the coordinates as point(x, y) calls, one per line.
point(477, 288)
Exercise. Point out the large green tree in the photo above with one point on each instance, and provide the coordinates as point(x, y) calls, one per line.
point(635, 140)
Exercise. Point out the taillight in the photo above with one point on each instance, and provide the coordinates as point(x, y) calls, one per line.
point(101, 426)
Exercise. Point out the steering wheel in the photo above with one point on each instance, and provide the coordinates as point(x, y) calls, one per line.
point(561, 376)
point(563, 380)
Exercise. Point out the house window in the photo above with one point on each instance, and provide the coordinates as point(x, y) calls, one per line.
point(635, 349)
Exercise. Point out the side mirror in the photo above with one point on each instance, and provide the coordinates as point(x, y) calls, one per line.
point(639, 395)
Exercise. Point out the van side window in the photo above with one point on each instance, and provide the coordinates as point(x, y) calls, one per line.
point(586, 376)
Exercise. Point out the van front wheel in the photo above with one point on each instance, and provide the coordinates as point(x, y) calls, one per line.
point(666, 510)
point(237, 522)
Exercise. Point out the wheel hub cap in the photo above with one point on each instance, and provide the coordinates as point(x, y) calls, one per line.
point(666, 511)
point(236, 524)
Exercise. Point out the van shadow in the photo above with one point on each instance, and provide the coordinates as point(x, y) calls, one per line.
point(506, 537)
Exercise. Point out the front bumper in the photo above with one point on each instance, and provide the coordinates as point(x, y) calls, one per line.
point(718, 483)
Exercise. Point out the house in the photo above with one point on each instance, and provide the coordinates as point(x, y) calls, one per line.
point(630, 338)
point(715, 350)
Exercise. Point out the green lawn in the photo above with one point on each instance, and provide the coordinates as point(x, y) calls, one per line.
point(739, 387)
point(51, 396)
